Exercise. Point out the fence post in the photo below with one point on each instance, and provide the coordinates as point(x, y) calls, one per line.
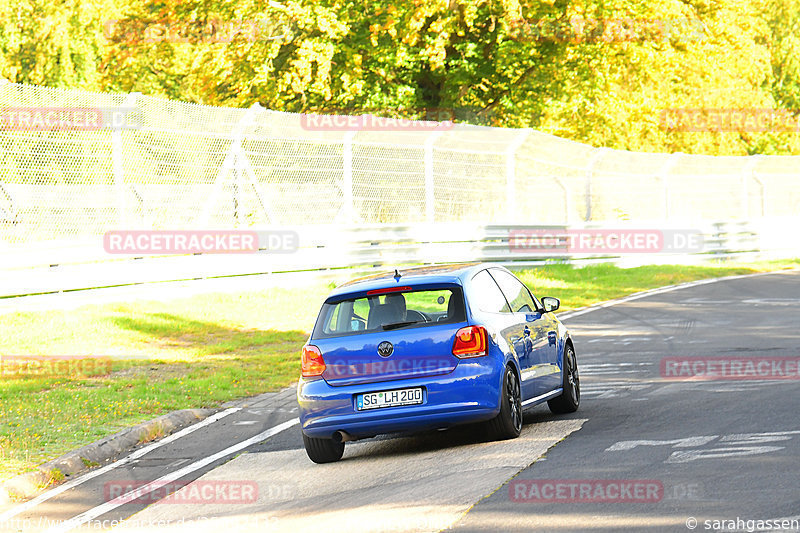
point(235, 163)
point(511, 169)
point(595, 159)
point(567, 201)
point(118, 162)
point(429, 196)
point(348, 206)
point(240, 160)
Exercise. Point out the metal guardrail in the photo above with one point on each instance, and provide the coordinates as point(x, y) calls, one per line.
point(327, 248)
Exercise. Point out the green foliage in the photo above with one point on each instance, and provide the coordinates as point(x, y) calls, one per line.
point(58, 44)
point(597, 71)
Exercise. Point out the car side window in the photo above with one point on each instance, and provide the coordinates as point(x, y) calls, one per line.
point(518, 296)
point(487, 294)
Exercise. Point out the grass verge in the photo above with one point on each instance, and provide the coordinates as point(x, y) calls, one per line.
point(208, 349)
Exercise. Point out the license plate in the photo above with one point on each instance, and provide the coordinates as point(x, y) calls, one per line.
point(391, 398)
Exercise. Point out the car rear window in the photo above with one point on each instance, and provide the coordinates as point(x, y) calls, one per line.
point(395, 310)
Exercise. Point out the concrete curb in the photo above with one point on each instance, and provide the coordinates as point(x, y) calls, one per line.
point(97, 453)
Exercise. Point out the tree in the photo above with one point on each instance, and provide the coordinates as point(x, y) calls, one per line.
point(604, 72)
point(57, 44)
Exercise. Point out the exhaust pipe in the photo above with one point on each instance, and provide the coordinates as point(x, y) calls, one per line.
point(342, 436)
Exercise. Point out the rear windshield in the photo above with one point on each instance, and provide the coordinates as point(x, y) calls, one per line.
point(395, 310)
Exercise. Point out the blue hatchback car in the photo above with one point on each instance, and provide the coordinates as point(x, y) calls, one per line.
point(431, 348)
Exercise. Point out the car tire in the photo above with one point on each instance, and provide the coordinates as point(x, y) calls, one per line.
point(570, 399)
point(323, 450)
point(508, 422)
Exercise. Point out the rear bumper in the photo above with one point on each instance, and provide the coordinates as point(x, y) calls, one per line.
point(470, 393)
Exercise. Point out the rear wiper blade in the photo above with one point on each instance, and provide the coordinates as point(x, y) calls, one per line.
point(396, 325)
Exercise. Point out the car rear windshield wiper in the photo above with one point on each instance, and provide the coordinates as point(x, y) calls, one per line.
point(396, 325)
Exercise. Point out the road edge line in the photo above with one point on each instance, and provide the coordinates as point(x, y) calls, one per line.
point(41, 498)
point(77, 521)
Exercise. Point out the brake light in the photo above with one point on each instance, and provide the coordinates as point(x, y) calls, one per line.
point(312, 363)
point(470, 342)
point(388, 290)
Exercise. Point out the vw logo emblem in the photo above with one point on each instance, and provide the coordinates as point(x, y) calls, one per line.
point(385, 349)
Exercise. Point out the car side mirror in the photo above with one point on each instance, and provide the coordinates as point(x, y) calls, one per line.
point(550, 304)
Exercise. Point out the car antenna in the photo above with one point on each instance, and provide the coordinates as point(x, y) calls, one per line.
point(397, 274)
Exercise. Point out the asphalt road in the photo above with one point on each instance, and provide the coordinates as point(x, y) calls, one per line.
point(645, 452)
point(721, 449)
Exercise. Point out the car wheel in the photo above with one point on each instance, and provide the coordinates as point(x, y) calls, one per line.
point(508, 423)
point(323, 450)
point(570, 399)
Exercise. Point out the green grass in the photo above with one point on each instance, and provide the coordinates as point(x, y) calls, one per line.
point(208, 349)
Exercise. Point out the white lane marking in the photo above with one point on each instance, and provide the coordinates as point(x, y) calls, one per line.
point(662, 290)
point(737, 445)
point(245, 423)
point(100, 471)
point(687, 442)
point(719, 453)
point(773, 301)
point(102, 509)
point(759, 438)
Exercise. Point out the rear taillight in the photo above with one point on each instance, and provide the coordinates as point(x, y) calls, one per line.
point(312, 363)
point(470, 342)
